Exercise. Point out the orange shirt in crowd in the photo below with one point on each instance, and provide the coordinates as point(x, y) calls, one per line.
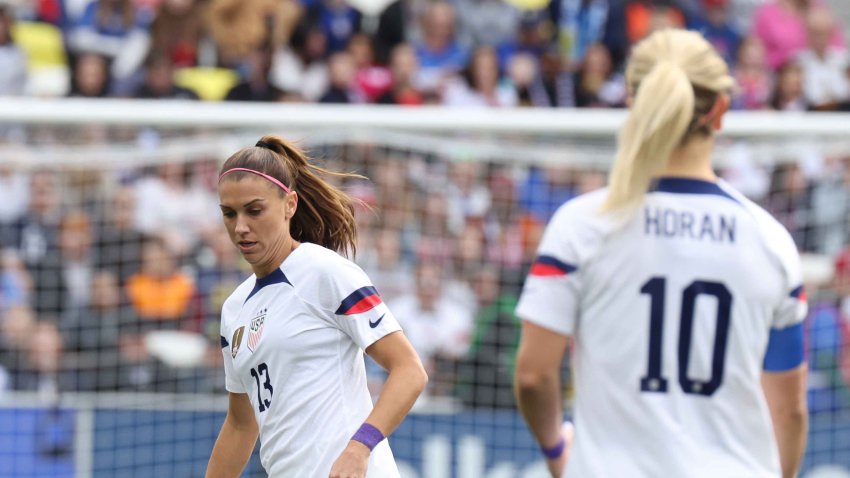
point(163, 299)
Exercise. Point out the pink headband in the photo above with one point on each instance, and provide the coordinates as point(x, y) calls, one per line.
point(273, 180)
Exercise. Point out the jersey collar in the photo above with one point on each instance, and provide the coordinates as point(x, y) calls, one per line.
point(276, 277)
point(678, 185)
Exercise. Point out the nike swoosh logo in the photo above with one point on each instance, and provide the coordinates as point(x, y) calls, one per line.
point(375, 323)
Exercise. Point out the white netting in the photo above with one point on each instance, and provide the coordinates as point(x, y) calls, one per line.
point(114, 248)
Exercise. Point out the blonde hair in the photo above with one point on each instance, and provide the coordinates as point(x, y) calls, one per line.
point(674, 78)
point(325, 214)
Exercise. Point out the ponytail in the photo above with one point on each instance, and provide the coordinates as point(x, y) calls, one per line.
point(325, 214)
point(658, 120)
point(674, 78)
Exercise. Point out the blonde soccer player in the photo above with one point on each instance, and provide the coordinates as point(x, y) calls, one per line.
point(684, 300)
point(293, 334)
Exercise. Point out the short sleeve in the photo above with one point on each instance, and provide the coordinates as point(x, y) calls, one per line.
point(359, 311)
point(228, 339)
point(231, 382)
point(786, 347)
point(550, 296)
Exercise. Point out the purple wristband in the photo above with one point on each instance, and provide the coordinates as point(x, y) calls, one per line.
point(555, 451)
point(368, 435)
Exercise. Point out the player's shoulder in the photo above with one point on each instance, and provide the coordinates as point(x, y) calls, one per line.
point(582, 210)
point(582, 217)
point(319, 263)
point(323, 277)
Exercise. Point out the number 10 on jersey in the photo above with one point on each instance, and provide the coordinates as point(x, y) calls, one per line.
point(656, 288)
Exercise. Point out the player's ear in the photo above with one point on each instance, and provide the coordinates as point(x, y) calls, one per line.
point(724, 102)
point(290, 204)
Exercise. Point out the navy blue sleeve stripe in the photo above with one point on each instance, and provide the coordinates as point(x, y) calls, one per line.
point(356, 297)
point(223, 341)
point(552, 261)
point(785, 349)
point(797, 291)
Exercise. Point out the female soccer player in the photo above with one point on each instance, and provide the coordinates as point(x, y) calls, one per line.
point(683, 298)
point(293, 334)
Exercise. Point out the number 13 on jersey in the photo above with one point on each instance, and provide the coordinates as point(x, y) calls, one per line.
point(654, 381)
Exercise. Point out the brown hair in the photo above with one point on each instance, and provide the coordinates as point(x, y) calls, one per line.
point(325, 214)
point(674, 78)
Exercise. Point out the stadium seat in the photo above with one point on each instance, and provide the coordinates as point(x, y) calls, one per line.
point(210, 84)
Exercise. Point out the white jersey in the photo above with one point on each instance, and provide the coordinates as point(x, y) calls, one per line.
point(293, 341)
point(676, 311)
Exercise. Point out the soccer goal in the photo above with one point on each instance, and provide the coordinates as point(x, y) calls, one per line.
point(115, 264)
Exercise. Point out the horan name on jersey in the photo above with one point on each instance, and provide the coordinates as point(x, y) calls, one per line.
point(700, 226)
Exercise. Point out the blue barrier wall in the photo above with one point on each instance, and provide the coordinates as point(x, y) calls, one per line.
point(136, 444)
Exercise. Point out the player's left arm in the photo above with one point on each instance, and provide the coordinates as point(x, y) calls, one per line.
point(785, 392)
point(405, 382)
point(537, 386)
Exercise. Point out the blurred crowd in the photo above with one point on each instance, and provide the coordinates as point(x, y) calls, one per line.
point(94, 262)
point(786, 54)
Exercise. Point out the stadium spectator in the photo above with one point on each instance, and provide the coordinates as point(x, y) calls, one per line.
point(14, 196)
point(159, 81)
point(119, 243)
point(91, 336)
point(256, 85)
point(828, 341)
point(580, 24)
point(177, 31)
point(545, 189)
point(77, 259)
point(485, 377)
point(440, 53)
point(13, 62)
point(597, 84)
point(90, 76)
point(437, 326)
point(752, 76)
point(218, 271)
point(788, 89)
point(117, 29)
point(371, 79)
point(14, 281)
point(716, 26)
point(160, 292)
point(781, 27)
point(480, 85)
point(299, 67)
point(829, 217)
point(391, 274)
point(241, 28)
point(338, 20)
point(789, 200)
point(825, 83)
point(404, 69)
point(342, 86)
point(643, 17)
point(31, 352)
point(486, 22)
point(155, 213)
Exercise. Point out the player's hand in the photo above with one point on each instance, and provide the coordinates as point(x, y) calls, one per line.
point(353, 461)
point(557, 466)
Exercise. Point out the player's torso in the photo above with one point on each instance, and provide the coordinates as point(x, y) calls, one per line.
point(303, 379)
point(674, 321)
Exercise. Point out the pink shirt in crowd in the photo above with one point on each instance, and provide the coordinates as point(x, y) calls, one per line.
point(784, 34)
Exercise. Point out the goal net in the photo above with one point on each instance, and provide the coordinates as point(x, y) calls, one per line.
point(115, 264)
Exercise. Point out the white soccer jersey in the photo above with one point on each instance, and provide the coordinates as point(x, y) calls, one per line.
point(293, 342)
point(676, 312)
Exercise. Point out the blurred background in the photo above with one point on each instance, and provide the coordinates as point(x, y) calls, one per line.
point(116, 115)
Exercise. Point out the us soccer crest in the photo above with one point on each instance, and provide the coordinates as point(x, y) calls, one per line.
point(255, 332)
point(236, 341)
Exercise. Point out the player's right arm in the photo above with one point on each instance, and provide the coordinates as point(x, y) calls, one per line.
point(236, 439)
point(786, 398)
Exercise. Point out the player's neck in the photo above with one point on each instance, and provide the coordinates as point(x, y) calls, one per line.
point(692, 160)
